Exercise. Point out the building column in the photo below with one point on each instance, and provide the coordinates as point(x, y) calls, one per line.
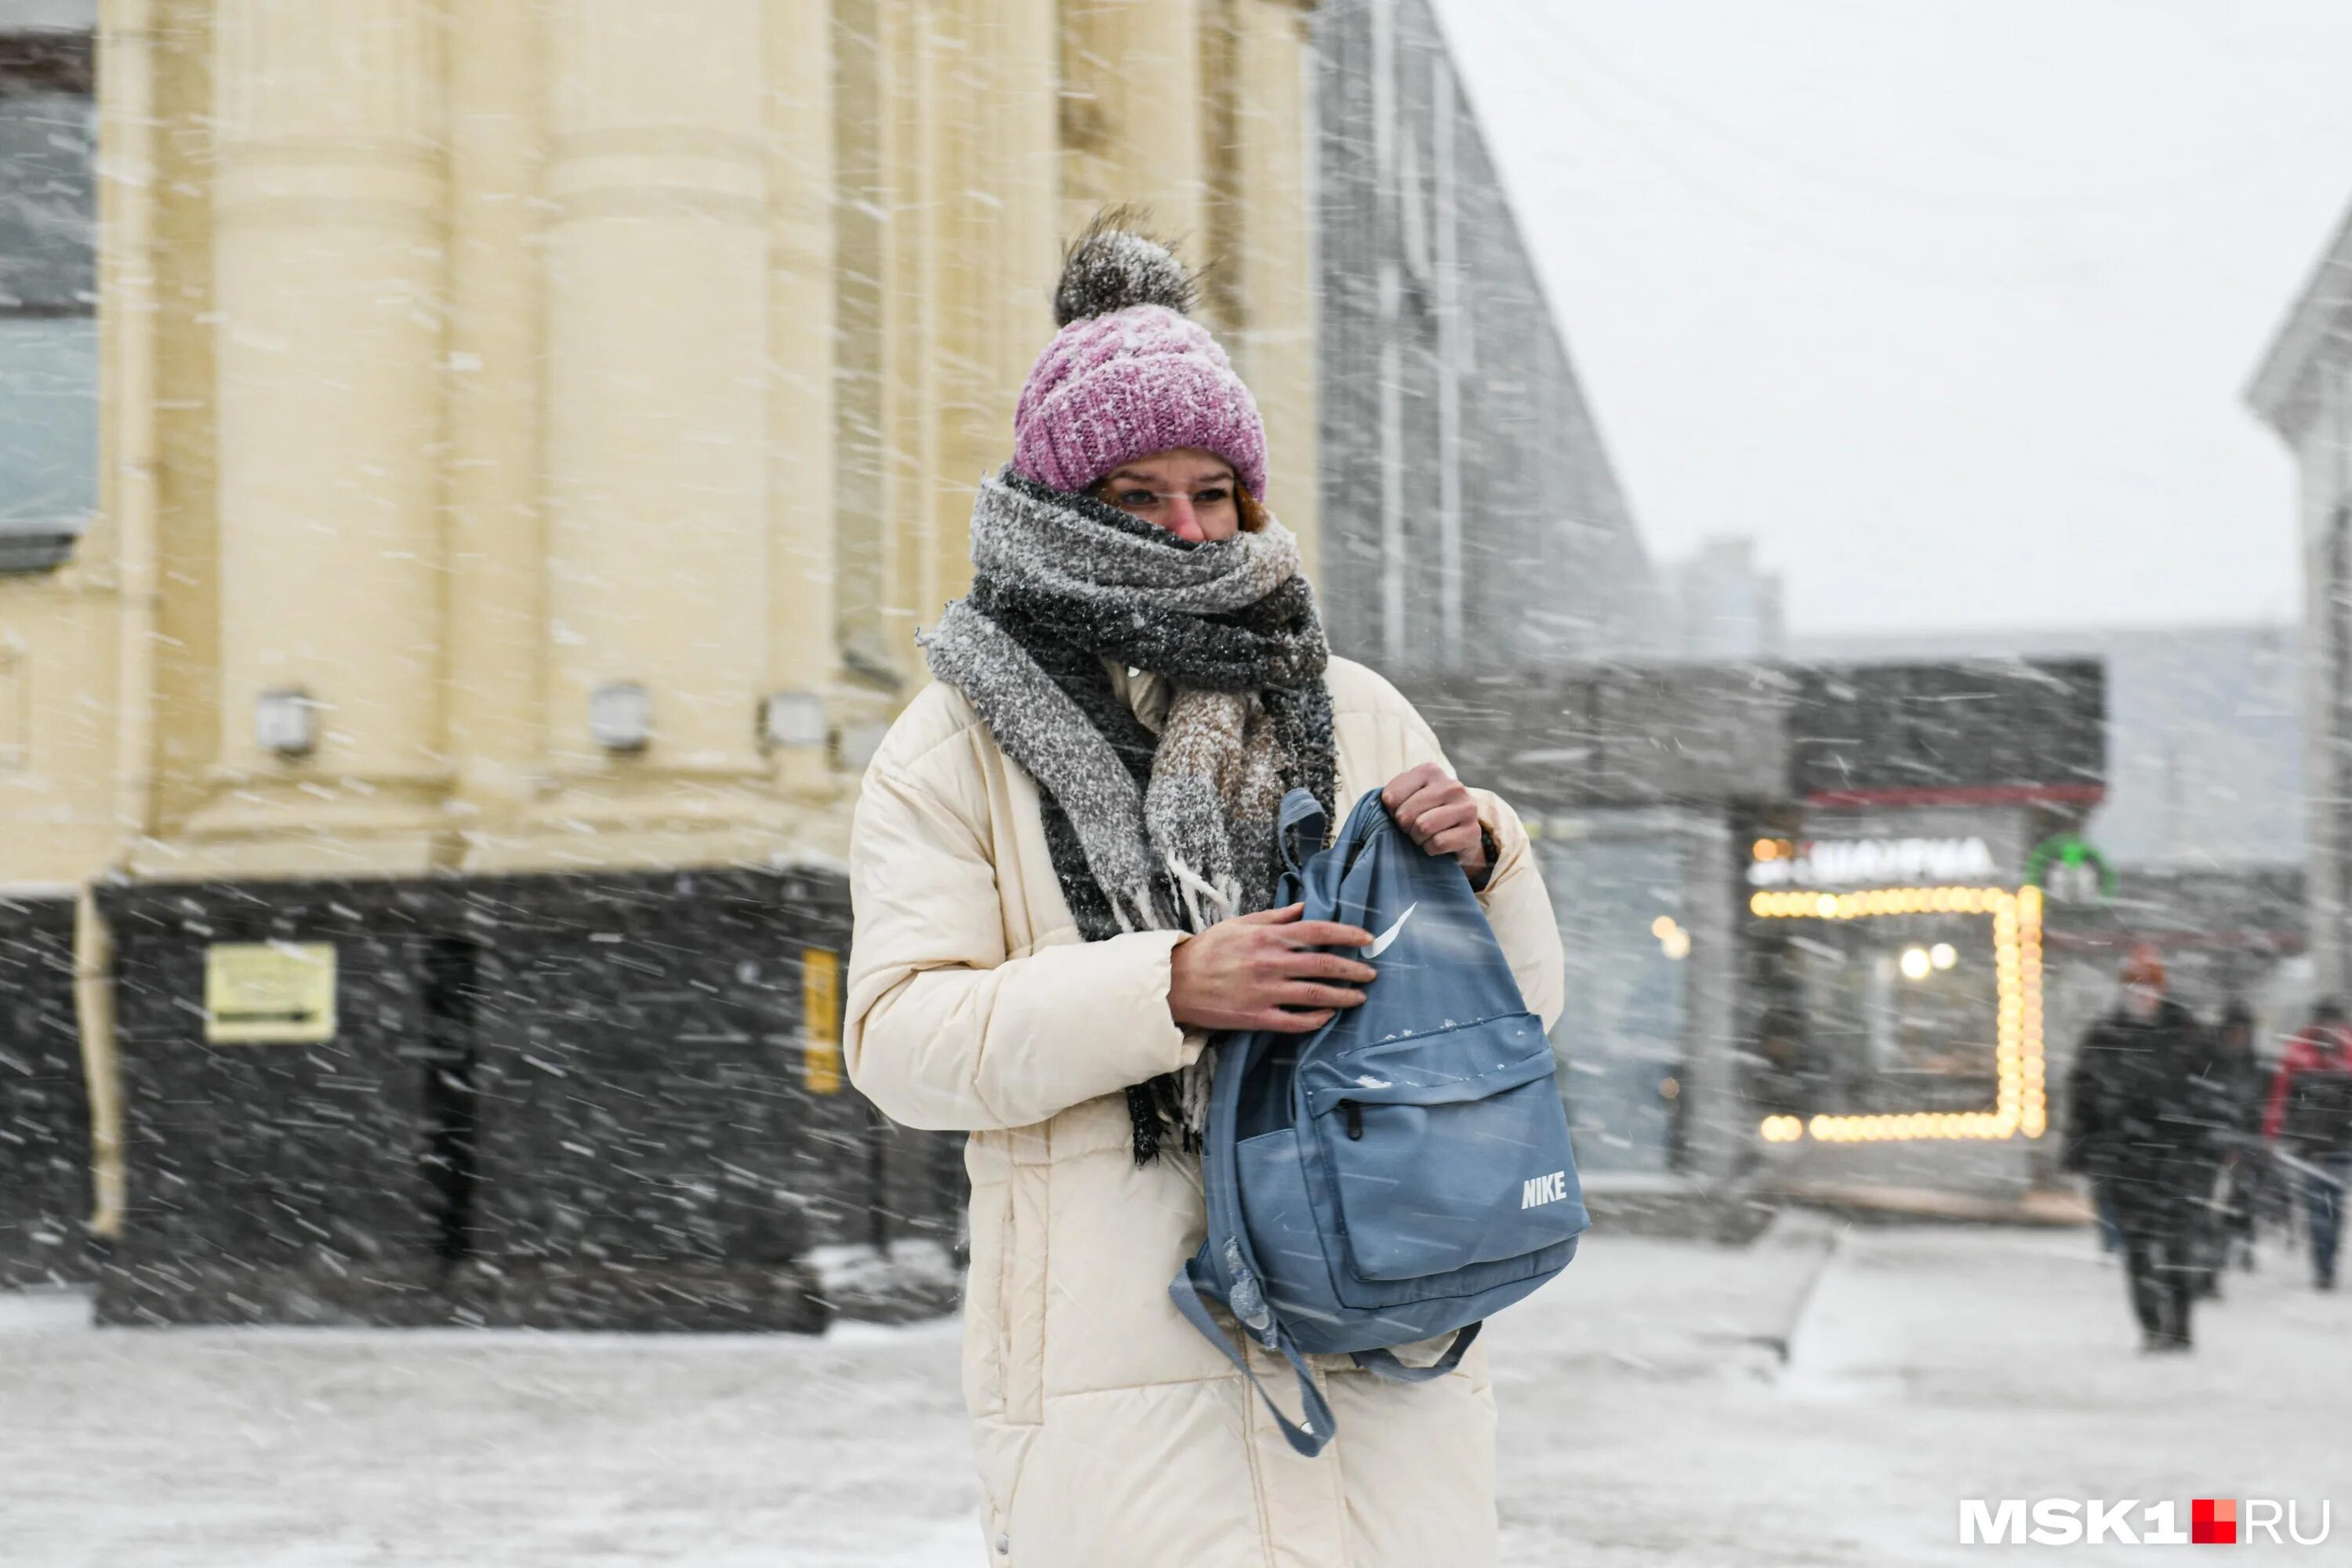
point(2326, 495)
point(657, 410)
point(496, 549)
point(998, 165)
point(805, 661)
point(328, 274)
point(1133, 120)
point(127, 137)
point(1267, 189)
point(914, 109)
point(1716, 1127)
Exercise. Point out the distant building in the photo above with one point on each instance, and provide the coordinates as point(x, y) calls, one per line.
point(2203, 822)
point(2205, 743)
point(1471, 518)
point(2302, 390)
point(1724, 605)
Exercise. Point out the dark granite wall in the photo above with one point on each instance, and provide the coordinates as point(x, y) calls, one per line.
point(551, 1100)
point(45, 1191)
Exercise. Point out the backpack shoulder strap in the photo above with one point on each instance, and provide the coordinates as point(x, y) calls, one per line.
point(1306, 1436)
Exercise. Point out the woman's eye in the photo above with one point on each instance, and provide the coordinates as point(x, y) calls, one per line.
point(1214, 495)
point(1136, 497)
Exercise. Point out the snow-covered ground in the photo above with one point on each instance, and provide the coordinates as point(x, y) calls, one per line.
point(1647, 1419)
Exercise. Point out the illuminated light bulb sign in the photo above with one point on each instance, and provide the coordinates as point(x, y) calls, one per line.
point(2020, 1103)
point(1867, 862)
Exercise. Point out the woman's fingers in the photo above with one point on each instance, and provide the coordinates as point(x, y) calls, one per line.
point(1454, 840)
point(1406, 784)
point(1408, 808)
point(1305, 994)
point(1284, 1022)
point(1327, 934)
point(1286, 914)
point(1439, 816)
point(1309, 964)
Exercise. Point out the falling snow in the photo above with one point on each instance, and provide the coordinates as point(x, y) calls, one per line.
point(468, 493)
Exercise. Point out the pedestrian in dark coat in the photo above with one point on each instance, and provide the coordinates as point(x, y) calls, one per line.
point(2309, 1116)
point(2244, 1166)
point(2146, 1111)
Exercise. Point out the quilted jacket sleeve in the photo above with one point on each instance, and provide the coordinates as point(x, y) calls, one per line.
point(942, 1027)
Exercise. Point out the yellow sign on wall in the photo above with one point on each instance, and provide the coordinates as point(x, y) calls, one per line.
point(269, 993)
point(821, 1020)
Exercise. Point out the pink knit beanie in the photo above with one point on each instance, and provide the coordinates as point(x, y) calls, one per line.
point(1128, 374)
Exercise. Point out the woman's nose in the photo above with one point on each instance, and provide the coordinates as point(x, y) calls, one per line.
point(1181, 521)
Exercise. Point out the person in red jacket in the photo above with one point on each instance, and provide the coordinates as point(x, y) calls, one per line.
point(2310, 1115)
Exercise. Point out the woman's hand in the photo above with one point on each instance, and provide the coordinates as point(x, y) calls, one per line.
point(1438, 814)
point(1263, 972)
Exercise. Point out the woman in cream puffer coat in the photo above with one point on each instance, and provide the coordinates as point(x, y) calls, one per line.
point(1059, 868)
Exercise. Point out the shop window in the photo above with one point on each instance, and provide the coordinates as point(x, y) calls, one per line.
point(1622, 1037)
point(48, 294)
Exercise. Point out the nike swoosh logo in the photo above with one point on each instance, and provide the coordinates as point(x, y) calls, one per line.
point(1380, 943)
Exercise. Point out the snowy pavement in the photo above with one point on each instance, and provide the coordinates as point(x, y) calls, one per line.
point(1646, 1419)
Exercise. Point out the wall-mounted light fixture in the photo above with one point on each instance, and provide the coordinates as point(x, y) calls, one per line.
point(791, 718)
point(620, 716)
point(284, 720)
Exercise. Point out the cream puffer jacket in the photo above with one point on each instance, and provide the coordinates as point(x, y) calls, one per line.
point(1109, 1434)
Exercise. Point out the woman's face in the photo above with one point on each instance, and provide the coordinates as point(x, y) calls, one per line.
point(1188, 491)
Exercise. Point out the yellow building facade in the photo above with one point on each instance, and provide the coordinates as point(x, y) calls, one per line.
point(533, 430)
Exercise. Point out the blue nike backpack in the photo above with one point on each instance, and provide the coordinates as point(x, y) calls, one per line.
point(1403, 1170)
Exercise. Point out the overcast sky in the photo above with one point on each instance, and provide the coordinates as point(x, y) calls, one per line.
point(1949, 303)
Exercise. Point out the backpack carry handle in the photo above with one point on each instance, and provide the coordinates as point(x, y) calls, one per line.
point(1302, 818)
point(1384, 1363)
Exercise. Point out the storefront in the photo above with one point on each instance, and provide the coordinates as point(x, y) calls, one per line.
point(1803, 945)
point(1899, 990)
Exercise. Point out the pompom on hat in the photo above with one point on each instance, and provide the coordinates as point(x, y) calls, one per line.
point(1129, 374)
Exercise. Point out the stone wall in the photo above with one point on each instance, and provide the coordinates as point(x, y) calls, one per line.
point(560, 1102)
point(45, 1190)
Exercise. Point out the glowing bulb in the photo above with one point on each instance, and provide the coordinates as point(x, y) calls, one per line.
point(1915, 963)
point(1943, 955)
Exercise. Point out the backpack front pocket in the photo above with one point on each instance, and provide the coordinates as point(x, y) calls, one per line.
point(1433, 1175)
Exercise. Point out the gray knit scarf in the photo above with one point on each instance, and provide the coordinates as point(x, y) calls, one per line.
point(1166, 832)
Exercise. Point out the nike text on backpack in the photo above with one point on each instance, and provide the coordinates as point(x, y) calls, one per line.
point(1400, 1173)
